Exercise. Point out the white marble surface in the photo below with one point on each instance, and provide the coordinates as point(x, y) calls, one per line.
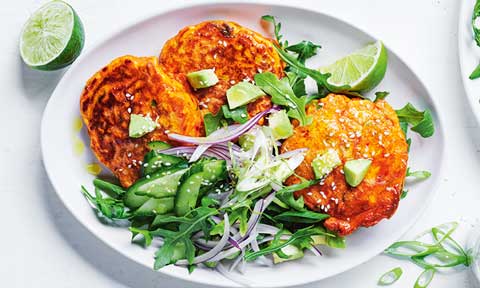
point(43, 245)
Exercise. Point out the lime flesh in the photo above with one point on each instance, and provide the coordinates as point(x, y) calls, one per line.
point(52, 38)
point(362, 70)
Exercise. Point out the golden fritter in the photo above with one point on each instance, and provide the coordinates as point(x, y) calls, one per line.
point(135, 85)
point(235, 52)
point(355, 128)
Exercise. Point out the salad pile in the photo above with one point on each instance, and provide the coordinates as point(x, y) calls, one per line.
point(219, 201)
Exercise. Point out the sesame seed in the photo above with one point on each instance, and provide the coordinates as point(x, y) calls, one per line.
point(232, 82)
point(243, 115)
point(129, 166)
point(318, 200)
point(386, 133)
point(148, 176)
point(323, 195)
point(167, 131)
point(129, 154)
point(129, 110)
point(386, 155)
point(309, 193)
point(121, 169)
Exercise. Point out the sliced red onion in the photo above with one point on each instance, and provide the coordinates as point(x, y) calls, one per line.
point(267, 229)
point(188, 151)
point(262, 260)
point(233, 276)
point(215, 250)
point(227, 135)
point(315, 250)
point(233, 250)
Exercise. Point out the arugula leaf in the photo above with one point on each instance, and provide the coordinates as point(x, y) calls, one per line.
point(421, 121)
point(276, 26)
point(238, 115)
point(290, 201)
point(110, 208)
point(297, 82)
point(475, 15)
point(380, 95)
point(316, 75)
point(420, 175)
point(404, 193)
point(336, 242)
point(306, 216)
point(475, 73)
point(282, 94)
point(146, 235)
point(189, 224)
point(304, 49)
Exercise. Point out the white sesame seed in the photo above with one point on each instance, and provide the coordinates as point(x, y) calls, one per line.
point(318, 200)
point(309, 193)
point(129, 166)
point(232, 82)
point(129, 110)
point(129, 154)
point(148, 176)
point(386, 155)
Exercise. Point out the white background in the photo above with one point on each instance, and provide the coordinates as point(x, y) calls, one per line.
point(42, 245)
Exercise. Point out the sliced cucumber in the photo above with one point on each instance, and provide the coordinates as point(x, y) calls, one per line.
point(155, 161)
point(158, 145)
point(187, 196)
point(155, 206)
point(164, 186)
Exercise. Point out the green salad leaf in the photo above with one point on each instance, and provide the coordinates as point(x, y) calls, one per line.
point(107, 207)
point(193, 222)
point(304, 50)
point(306, 216)
point(380, 95)
point(282, 94)
point(276, 27)
point(475, 15)
point(145, 233)
point(238, 115)
point(421, 121)
point(109, 188)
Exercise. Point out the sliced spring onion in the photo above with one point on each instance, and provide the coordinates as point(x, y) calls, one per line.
point(411, 249)
point(425, 278)
point(390, 277)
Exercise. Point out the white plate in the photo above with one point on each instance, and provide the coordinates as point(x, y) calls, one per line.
point(469, 54)
point(67, 171)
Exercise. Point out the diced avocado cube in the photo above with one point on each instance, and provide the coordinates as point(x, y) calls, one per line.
point(355, 171)
point(202, 79)
point(293, 252)
point(242, 93)
point(140, 125)
point(280, 125)
point(158, 145)
point(324, 163)
point(246, 141)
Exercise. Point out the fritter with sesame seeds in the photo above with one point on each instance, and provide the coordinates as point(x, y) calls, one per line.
point(134, 85)
point(355, 128)
point(235, 52)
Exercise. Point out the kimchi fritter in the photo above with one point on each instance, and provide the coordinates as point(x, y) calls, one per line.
point(134, 85)
point(355, 128)
point(235, 52)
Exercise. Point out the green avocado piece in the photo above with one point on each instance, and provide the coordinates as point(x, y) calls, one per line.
point(280, 125)
point(324, 163)
point(140, 125)
point(355, 171)
point(242, 93)
point(202, 79)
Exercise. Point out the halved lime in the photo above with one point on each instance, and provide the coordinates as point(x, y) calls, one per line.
point(52, 38)
point(362, 70)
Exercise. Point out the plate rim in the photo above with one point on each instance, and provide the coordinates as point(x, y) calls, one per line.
point(464, 11)
point(206, 3)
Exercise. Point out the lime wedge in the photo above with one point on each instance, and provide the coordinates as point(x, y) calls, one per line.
point(362, 70)
point(52, 38)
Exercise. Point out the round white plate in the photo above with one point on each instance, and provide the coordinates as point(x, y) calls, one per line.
point(469, 54)
point(67, 170)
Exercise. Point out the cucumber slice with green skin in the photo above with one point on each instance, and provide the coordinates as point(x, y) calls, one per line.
point(280, 125)
point(187, 196)
point(243, 93)
point(158, 145)
point(156, 161)
point(155, 206)
point(356, 170)
point(202, 79)
point(324, 163)
point(164, 186)
point(133, 200)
